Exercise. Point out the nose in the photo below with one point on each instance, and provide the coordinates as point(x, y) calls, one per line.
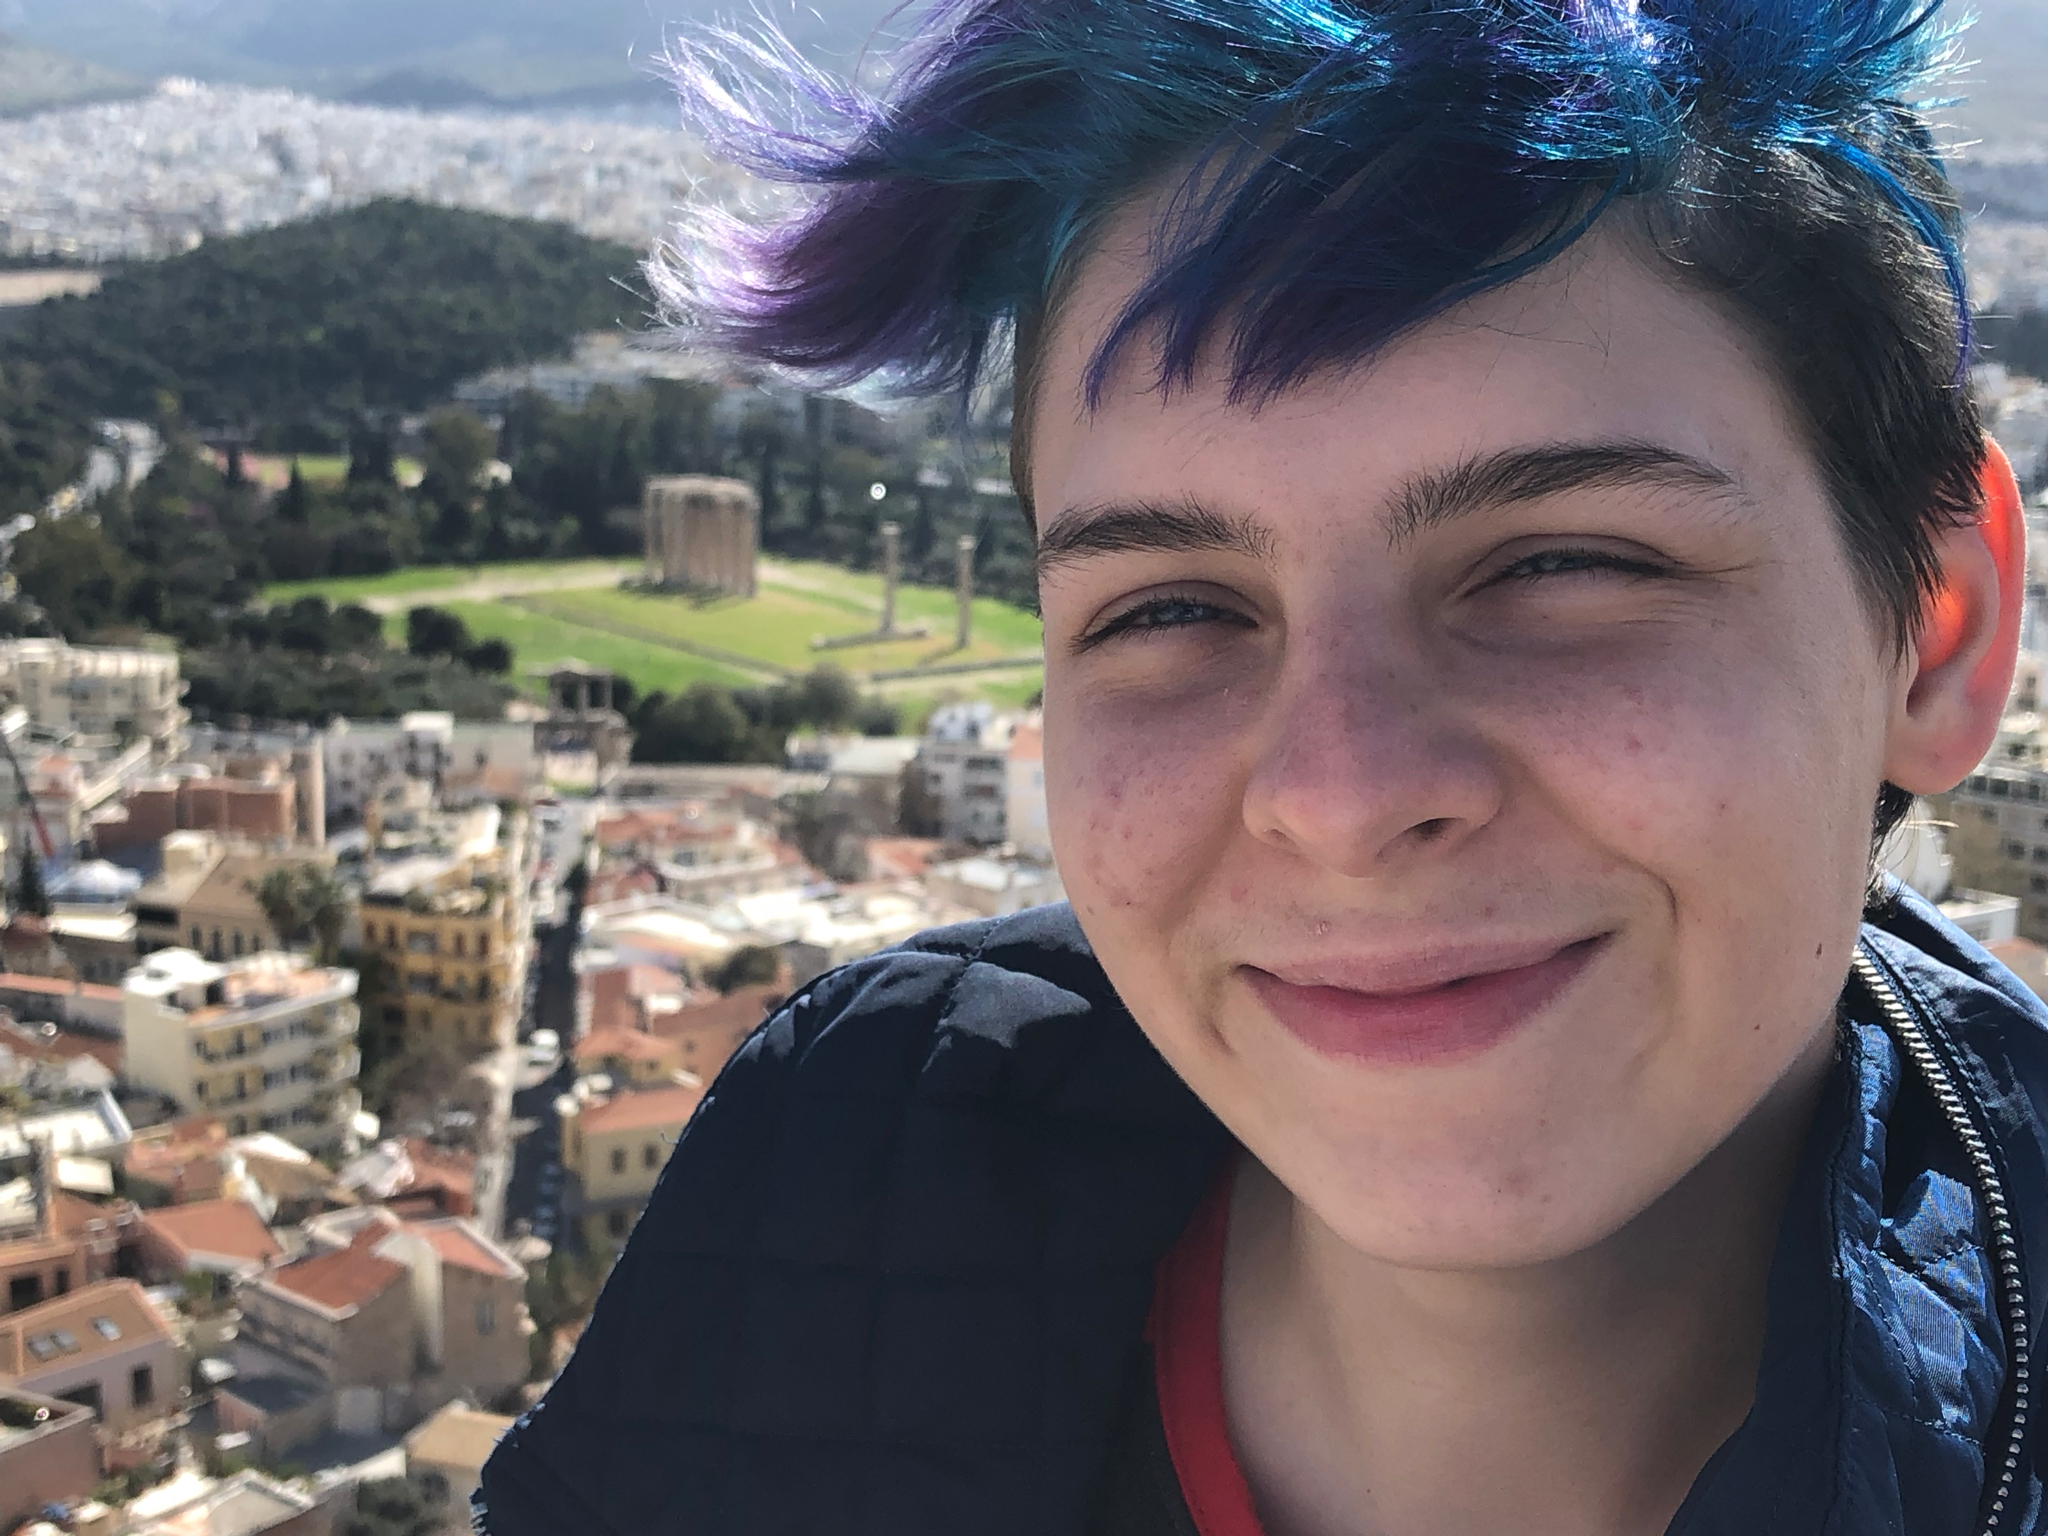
point(1366, 765)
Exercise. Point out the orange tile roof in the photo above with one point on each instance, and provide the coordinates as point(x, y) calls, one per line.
point(1027, 743)
point(97, 1319)
point(60, 1044)
point(348, 1277)
point(227, 1227)
point(51, 986)
point(609, 885)
point(902, 858)
point(210, 1130)
point(685, 824)
point(72, 1216)
point(614, 989)
point(439, 1168)
point(457, 1245)
point(642, 1111)
point(739, 1011)
point(629, 1044)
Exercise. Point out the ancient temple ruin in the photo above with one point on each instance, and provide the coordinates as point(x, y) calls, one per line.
point(701, 533)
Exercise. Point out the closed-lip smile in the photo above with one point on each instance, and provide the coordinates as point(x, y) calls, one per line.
point(1421, 1006)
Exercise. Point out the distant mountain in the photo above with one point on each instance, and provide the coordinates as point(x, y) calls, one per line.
point(34, 79)
point(507, 49)
point(594, 52)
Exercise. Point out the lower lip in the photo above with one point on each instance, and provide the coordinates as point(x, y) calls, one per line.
point(1439, 1024)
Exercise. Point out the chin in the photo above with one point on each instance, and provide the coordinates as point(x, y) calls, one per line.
point(1478, 1215)
point(1483, 1235)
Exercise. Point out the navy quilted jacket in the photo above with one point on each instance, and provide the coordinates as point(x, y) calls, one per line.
point(895, 1272)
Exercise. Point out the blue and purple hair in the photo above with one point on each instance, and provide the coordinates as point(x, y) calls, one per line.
point(1351, 166)
point(1340, 170)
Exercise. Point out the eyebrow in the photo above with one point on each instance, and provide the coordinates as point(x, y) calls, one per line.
point(1423, 501)
point(1516, 475)
point(1168, 528)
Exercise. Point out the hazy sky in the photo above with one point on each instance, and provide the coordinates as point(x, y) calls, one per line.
point(529, 46)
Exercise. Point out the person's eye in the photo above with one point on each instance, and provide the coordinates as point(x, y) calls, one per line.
point(1571, 560)
point(1161, 615)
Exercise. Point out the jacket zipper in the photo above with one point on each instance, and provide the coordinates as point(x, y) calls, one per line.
point(1918, 1042)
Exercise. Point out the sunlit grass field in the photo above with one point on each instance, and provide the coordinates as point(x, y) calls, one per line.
point(550, 612)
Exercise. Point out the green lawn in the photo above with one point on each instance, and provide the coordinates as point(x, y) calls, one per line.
point(798, 600)
point(779, 625)
point(538, 641)
point(1003, 625)
point(419, 578)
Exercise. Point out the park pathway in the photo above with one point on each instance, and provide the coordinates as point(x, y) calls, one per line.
point(488, 589)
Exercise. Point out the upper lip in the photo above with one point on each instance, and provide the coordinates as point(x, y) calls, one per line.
point(1419, 967)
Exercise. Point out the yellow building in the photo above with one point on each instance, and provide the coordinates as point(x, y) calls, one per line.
point(454, 928)
point(613, 1149)
point(266, 1044)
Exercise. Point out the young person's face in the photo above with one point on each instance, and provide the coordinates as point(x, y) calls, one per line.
point(1463, 764)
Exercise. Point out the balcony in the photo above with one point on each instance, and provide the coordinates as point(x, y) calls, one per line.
point(331, 1064)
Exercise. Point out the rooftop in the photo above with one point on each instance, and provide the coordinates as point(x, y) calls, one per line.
point(229, 1229)
point(94, 1320)
point(54, 1043)
point(460, 1244)
point(741, 1008)
point(457, 1436)
point(345, 1278)
point(649, 1109)
point(23, 1414)
point(260, 981)
point(622, 1043)
point(52, 986)
point(902, 858)
point(246, 1504)
point(83, 1126)
point(408, 1165)
point(614, 990)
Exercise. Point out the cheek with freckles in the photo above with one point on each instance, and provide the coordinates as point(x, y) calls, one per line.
point(1139, 810)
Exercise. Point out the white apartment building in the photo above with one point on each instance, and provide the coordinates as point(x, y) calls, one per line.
point(964, 758)
point(95, 691)
point(496, 758)
point(1024, 824)
point(266, 1044)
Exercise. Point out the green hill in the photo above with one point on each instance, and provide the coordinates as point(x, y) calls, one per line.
point(380, 308)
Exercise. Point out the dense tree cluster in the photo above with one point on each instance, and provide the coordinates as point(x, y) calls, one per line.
point(381, 308)
point(710, 724)
point(431, 631)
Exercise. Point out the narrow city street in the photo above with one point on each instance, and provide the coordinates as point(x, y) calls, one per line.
point(535, 1187)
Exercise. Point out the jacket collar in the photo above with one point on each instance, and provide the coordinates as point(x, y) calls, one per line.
point(1885, 1355)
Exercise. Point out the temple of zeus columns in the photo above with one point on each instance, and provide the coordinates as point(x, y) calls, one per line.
point(701, 532)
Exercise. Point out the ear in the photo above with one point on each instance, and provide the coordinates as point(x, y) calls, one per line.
point(1958, 670)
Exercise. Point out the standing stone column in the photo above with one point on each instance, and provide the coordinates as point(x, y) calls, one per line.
point(892, 538)
point(650, 543)
point(963, 588)
point(750, 526)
